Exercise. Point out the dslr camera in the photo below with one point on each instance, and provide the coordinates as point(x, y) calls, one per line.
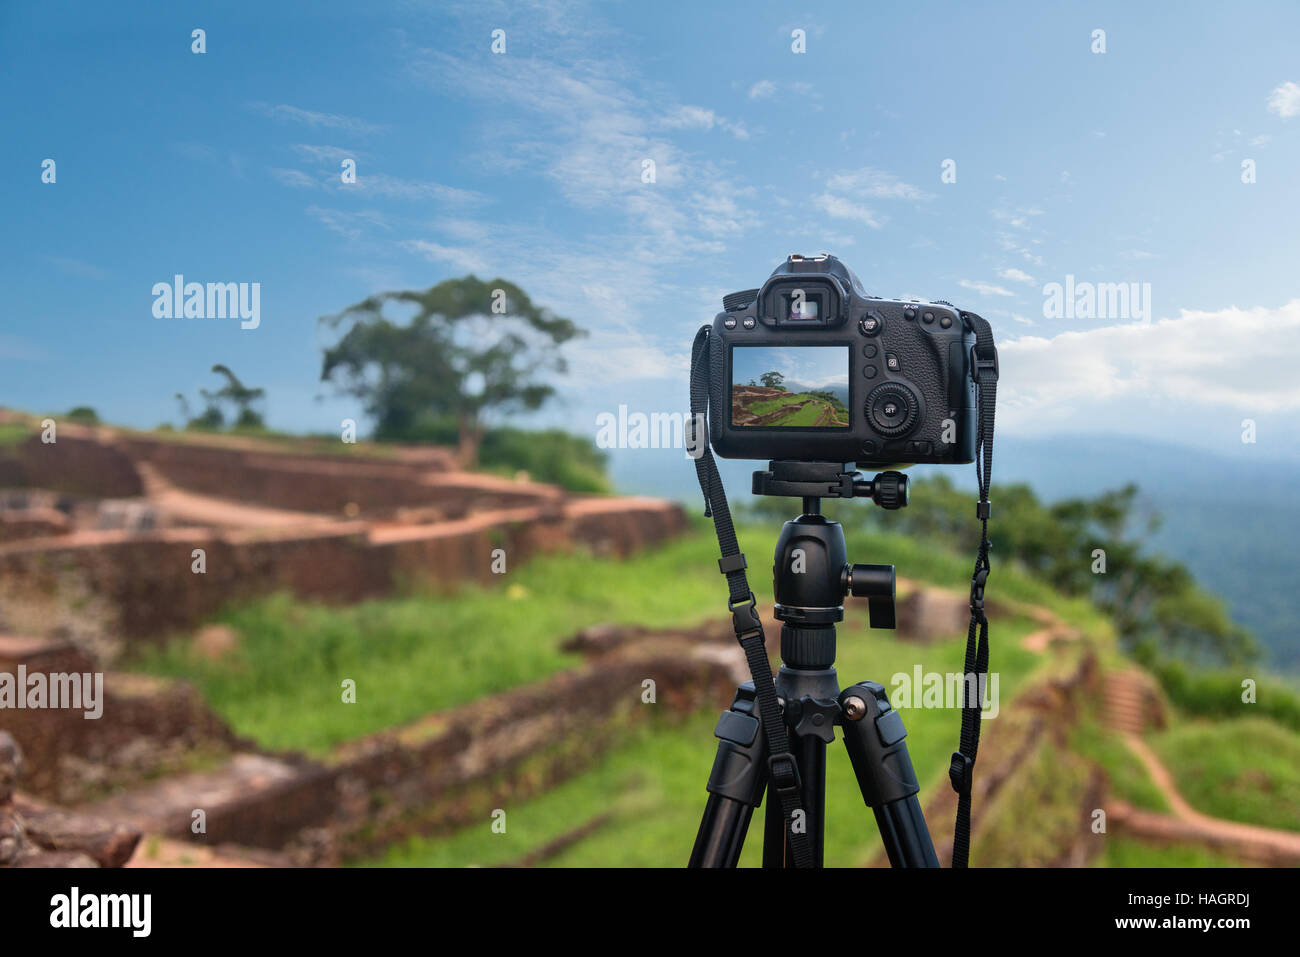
point(811, 367)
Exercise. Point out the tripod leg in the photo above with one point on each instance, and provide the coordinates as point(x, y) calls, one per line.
point(736, 784)
point(874, 735)
point(810, 755)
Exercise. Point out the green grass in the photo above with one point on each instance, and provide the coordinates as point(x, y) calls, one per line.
point(1245, 770)
point(421, 653)
point(1048, 789)
point(652, 786)
point(1127, 852)
point(1129, 780)
point(764, 406)
point(14, 433)
point(416, 654)
point(807, 415)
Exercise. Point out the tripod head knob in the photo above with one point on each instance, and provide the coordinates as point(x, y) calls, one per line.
point(890, 490)
point(875, 583)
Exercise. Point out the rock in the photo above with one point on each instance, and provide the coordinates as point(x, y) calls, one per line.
point(39, 858)
point(11, 837)
point(214, 642)
point(107, 844)
point(929, 614)
point(11, 765)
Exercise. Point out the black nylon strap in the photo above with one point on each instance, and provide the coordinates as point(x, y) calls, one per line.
point(783, 771)
point(976, 666)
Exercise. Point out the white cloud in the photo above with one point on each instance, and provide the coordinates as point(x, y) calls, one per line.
point(381, 184)
point(985, 288)
point(296, 178)
point(869, 182)
point(75, 267)
point(350, 224)
point(762, 90)
point(377, 184)
point(1015, 275)
point(333, 121)
point(841, 208)
point(324, 154)
point(698, 118)
point(1285, 100)
point(463, 259)
point(590, 132)
point(1196, 362)
point(847, 194)
point(1019, 217)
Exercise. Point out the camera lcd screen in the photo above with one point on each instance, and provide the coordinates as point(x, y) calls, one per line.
point(790, 387)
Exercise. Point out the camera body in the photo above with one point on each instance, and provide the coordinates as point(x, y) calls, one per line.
point(810, 367)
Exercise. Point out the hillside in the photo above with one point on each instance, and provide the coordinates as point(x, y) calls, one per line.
point(1228, 517)
point(351, 679)
point(758, 406)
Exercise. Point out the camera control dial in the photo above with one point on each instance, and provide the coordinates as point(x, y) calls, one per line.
point(892, 409)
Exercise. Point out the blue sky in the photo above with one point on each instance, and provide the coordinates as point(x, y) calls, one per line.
point(816, 367)
point(1118, 167)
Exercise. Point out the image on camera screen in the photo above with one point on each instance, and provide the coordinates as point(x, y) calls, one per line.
point(790, 387)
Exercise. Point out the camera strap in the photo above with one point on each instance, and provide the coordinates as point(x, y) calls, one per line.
point(783, 771)
point(984, 360)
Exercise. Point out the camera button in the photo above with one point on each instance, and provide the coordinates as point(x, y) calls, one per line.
point(868, 447)
point(909, 314)
point(946, 322)
point(891, 362)
point(869, 350)
point(869, 371)
point(870, 325)
point(747, 323)
point(928, 317)
point(729, 323)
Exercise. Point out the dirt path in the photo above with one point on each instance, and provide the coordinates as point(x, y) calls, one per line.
point(1211, 830)
point(1185, 823)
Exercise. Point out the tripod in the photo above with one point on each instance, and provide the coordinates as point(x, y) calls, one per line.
point(812, 575)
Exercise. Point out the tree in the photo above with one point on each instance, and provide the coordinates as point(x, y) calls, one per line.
point(772, 380)
point(238, 395)
point(472, 349)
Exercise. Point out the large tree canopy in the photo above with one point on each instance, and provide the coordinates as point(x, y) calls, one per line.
point(468, 350)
